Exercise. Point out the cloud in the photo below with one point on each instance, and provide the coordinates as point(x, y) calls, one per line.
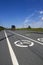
point(33, 22)
point(37, 24)
point(41, 12)
point(28, 19)
point(42, 18)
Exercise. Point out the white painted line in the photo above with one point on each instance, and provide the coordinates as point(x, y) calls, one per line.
point(12, 54)
point(27, 38)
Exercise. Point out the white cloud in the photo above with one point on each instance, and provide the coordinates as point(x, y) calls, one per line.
point(34, 23)
point(41, 12)
point(28, 19)
point(42, 18)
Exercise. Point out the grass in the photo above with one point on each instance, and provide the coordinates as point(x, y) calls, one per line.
point(31, 29)
point(1, 28)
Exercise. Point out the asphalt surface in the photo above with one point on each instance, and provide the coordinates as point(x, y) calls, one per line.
point(31, 55)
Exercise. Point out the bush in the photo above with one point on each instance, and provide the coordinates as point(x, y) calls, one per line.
point(13, 27)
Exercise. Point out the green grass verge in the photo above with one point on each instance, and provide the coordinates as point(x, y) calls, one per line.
point(1, 28)
point(31, 29)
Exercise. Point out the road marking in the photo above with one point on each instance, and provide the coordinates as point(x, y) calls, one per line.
point(12, 54)
point(23, 43)
point(31, 44)
point(40, 39)
point(27, 38)
point(20, 44)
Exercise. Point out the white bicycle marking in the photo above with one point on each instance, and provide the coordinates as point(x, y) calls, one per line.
point(23, 43)
point(40, 39)
point(20, 44)
point(31, 44)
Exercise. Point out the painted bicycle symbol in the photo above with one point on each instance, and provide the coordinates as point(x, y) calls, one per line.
point(23, 43)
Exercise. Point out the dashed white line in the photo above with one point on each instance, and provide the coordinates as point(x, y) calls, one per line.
point(12, 54)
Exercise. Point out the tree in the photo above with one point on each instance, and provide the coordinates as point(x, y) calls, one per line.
point(13, 27)
point(29, 27)
point(1, 28)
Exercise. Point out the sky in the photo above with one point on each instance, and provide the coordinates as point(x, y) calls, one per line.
point(21, 13)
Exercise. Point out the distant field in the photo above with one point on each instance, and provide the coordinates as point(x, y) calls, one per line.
point(1, 28)
point(32, 29)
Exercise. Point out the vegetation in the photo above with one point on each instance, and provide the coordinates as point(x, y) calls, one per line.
point(1, 28)
point(37, 29)
point(13, 27)
point(31, 29)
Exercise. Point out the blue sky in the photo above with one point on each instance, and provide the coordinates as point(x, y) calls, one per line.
point(21, 13)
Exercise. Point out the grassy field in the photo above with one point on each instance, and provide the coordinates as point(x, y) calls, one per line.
point(31, 29)
point(1, 28)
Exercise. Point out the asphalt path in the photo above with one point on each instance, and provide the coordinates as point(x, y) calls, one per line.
point(20, 48)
